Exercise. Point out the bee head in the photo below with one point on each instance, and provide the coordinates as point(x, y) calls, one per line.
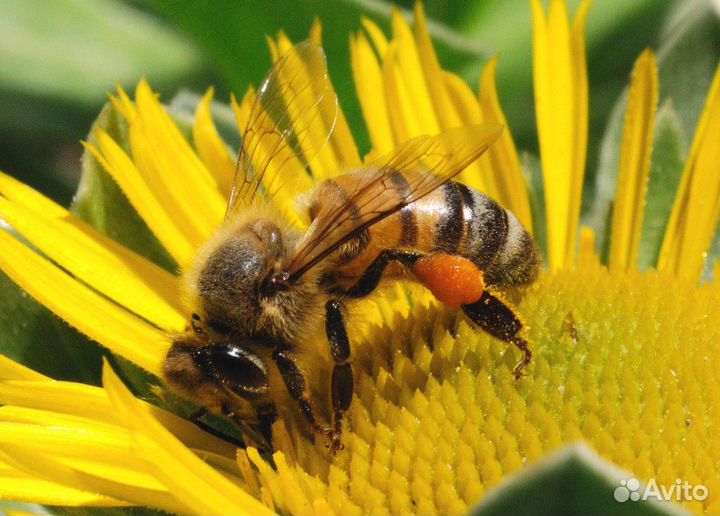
point(215, 374)
point(230, 282)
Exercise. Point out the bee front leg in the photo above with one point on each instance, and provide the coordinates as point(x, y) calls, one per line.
point(342, 376)
point(498, 318)
point(298, 389)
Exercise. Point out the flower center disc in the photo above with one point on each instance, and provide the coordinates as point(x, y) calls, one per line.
point(626, 362)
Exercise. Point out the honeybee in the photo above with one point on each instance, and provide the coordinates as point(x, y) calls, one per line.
point(261, 288)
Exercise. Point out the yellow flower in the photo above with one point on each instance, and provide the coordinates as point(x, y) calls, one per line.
point(623, 360)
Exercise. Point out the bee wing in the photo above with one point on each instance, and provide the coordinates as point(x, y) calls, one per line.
point(425, 162)
point(291, 119)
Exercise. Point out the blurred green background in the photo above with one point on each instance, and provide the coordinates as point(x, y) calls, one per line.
point(59, 58)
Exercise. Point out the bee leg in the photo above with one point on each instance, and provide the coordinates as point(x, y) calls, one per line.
point(373, 274)
point(195, 418)
point(342, 376)
point(266, 414)
point(258, 433)
point(297, 388)
point(499, 319)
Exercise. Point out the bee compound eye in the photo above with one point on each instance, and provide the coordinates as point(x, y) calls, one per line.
point(234, 367)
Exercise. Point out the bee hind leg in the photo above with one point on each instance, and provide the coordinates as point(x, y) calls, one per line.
point(498, 318)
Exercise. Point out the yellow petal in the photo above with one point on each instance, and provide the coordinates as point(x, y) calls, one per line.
point(503, 157)
point(190, 434)
point(11, 370)
point(77, 399)
point(316, 31)
point(697, 203)
point(53, 431)
point(587, 256)
point(123, 104)
point(125, 277)
point(461, 98)
point(409, 67)
point(580, 123)
point(560, 79)
point(98, 449)
point(274, 50)
point(368, 83)
point(403, 119)
point(171, 168)
point(92, 314)
point(478, 175)
point(211, 147)
point(146, 202)
point(202, 488)
point(44, 467)
point(634, 164)
point(17, 486)
point(61, 397)
point(283, 43)
point(165, 134)
point(491, 172)
point(447, 116)
point(379, 40)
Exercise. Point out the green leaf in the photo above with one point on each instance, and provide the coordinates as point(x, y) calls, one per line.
point(103, 511)
point(34, 336)
point(573, 480)
point(20, 508)
point(597, 212)
point(532, 170)
point(183, 106)
point(688, 58)
point(670, 147)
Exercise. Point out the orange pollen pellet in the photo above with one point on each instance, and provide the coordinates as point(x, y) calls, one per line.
point(452, 279)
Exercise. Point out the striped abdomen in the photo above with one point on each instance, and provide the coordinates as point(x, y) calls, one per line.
point(452, 219)
point(478, 228)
